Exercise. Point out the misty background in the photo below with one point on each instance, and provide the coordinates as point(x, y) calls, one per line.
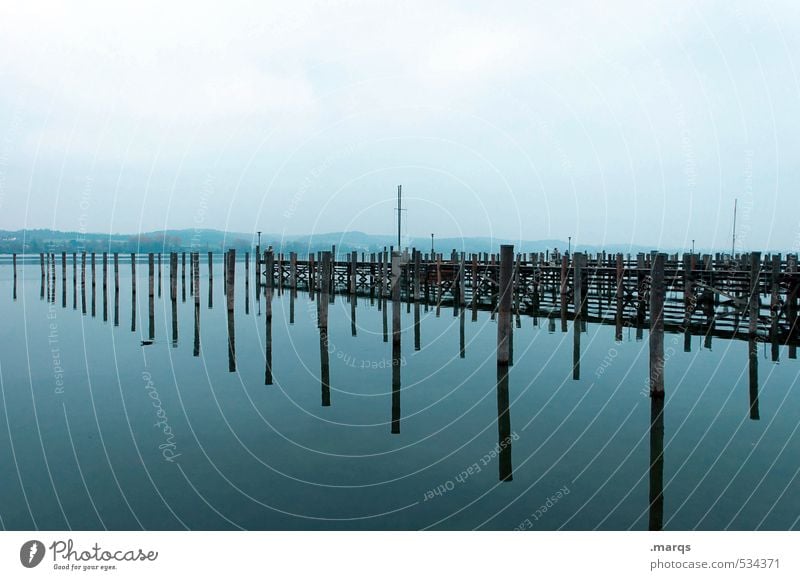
point(619, 124)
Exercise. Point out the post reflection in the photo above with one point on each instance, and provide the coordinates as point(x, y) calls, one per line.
point(504, 424)
point(656, 515)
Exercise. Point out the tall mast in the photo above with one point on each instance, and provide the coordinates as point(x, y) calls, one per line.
point(399, 213)
point(733, 241)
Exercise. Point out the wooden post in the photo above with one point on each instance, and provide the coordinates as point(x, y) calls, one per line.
point(396, 334)
point(754, 301)
point(577, 284)
point(94, 287)
point(504, 328)
point(230, 273)
point(83, 282)
point(74, 281)
point(324, 290)
point(620, 296)
point(293, 271)
point(196, 349)
point(353, 271)
point(183, 276)
point(657, 295)
point(133, 292)
point(322, 321)
point(791, 304)
point(159, 274)
point(63, 278)
point(151, 296)
point(105, 282)
point(116, 289)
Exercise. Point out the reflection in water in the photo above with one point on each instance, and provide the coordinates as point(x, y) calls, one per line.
point(94, 284)
point(322, 304)
point(83, 283)
point(656, 463)
point(63, 280)
point(196, 284)
point(268, 354)
point(576, 348)
point(396, 336)
point(416, 327)
point(504, 424)
point(151, 327)
point(116, 290)
point(752, 348)
point(353, 301)
point(105, 286)
point(462, 347)
point(230, 272)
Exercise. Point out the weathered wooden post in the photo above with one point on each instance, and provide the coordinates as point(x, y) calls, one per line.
point(247, 282)
point(504, 328)
point(63, 279)
point(83, 282)
point(74, 281)
point(133, 292)
point(44, 279)
point(183, 276)
point(791, 303)
point(105, 283)
point(269, 259)
point(293, 271)
point(116, 289)
point(657, 295)
point(151, 296)
point(577, 284)
point(620, 296)
point(268, 345)
point(196, 272)
point(173, 293)
point(94, 287)
point(230, 273)
point(322, 305)
point(775, 304)
point(353, 271)
point(396, 335)
point(754, 300)
point(159, 274)
point(14, 260)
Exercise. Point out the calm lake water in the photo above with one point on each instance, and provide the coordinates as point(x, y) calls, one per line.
point(101, 431)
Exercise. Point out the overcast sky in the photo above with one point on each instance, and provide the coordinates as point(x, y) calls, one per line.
point(624, 122)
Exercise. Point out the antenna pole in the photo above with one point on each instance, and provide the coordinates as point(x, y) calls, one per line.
point(733, 241)
point(399, 213)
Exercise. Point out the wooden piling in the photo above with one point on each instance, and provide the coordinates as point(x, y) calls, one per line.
point(116, 289)
point(657, 295)
point(754, 299)
point(230, 272)
point(105, 283)
point(396, 335)
point(504, 328)
point(151, 296)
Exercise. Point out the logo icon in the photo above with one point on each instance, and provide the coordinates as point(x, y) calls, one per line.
point(31, 553)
